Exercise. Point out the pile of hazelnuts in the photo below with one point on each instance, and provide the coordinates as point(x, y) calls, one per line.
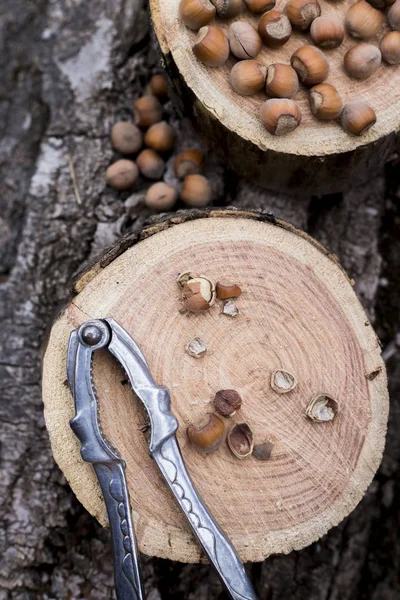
point(150, 130)
point(280, 114)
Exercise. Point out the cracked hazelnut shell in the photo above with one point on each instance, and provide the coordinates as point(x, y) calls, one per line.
point(241, 440)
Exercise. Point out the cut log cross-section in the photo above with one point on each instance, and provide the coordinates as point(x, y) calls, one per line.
point(297, 313)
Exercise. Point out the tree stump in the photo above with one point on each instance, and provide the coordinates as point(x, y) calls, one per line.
point(298, 312)
point(318, 156)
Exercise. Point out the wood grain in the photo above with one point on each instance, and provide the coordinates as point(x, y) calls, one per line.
point(297, 312)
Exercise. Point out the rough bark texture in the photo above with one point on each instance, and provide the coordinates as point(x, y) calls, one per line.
point(70, 69)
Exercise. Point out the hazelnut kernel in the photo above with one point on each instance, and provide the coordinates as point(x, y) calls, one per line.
point(227, 9)
point(241, 440)
point(208, 435)
point(189, 162)
point(310, 64)
point(362, 20)
point(259, 6)
point(247, 77)
point(226, 289)
point(122, 174)
point(362, 61)
point(126, 137)
point(160, 137)
point(147, 110)
point(274, 28)
point(196, 191)
point(161, 197)
point(301, 13)
point(196, 13)
point(357, 118)
point(280, 115)
point(327, 32)
point(211, 46)
point(244, 41)
point(150, 164)
point(325, 101)
point(227, 402)
point(282, 81)
point(390, 47)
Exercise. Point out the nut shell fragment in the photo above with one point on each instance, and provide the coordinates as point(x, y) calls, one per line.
point(226, 289)
point(184, 277)
point(321, 409)
point(196, 348)
point(230, 309)
point(263, 451)
point(283, 381)
point(241, 440)
point(227, 402)
point(198, 294)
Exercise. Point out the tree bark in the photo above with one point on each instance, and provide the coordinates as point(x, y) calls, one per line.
point(69, 70)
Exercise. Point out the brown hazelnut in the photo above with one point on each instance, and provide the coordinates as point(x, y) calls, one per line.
point(227, 9)
point(357, 118)
point(226, 289)
point(390, 47)
point(381, 4)
point(362, 61)
point(122, 174)
point(274, 28)
point(310, 64)
point(282, 81)
point(208, 435)
point(147, 110)
point(150, 164)
point(247, 77)
point(161, 197)
point(280, 115)
point(196, 13)
point(211, 46)
point(196, 191)
point(259, 6)
point(363, 20)
point(327, 32)
point(241, 440)
point(126, 137)
point(198, 294)
point(393, 15)
point(160, 137)
point(244, 40)
point(227, 402)
point(301, 13)
point(158, 86)
point(189, 162)
point(263, 451)
point(325, 102)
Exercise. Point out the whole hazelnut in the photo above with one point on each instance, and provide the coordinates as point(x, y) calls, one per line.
point(244, 40)
point(227, 9)
point(147, 110)
point(357, 118)
point(227, 402)
point(122, 174)
point(259, 6)
point(393, 15)
point(196, 13)
point(196, 191)
point(362, 61)
point(241, 440)
point(126, 137)
point(150, 164)
point(325, 101)
point(280, 115)
point(161, 197)
point(247, 77)
point(211, 46)
point(390, 47)
point(158, 86)
point(363, 20)
point(301, 13)
point(310, 65)
point(327, 32)
point(274, 28)
point(282, 81)
point(160, 137)
point(208, 435)
point(189, 162)
point(198, 294)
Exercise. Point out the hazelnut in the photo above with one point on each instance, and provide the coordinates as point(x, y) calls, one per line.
point(282, 81)
point(380, 4)
point(244, 40)
point(226, 289)
point(362, 61)
point(189, 162)
point(310, 64)
point(248, 77)
point(198, 294)
point(263, 451)
point(227, 402)
point(196, 13)
point(357, 118)
point(393, 15)
point(122, 174)
point(147, 110)
point(227, 9)
point(161, 197)
point(126, 137)
point(390, 47)
point(325, 102)
point(280, 115)
point(274, 28)
point(362, 20)
point(158, 86)
point(208, 435)
point(160, 137)
point(211, 46)
point(241, 440)
point(150, 164)
point(301, 13)
point(259, 6)
point(327, 32)
point(196, 191)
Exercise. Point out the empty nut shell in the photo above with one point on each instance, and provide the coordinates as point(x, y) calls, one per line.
point(147, 110)
point(122, 174)
point(393, 15)
point(211, 46)
point(357, 118)
point(196, 191)
point(283, 381)
point(310, 65)
point(208, 435)
point(259, 6)
point(327, 32)
point(196, 13)
point(282, 81)
point(161, 197)
point(363, 20)
point(280, 115)
point(390, 47)
point(325, 101)
point(126, 137)
point(247, 77)
point(227, 9)
point(321, 409)
point(189, 162)
point(150, 164)
point(244, 40)
point(160, 137)
point(241, 440)
point(362, 61)
point(226, 289)
point(274, 28)
point(198, 294)
point(301, 13)
point(227, 402)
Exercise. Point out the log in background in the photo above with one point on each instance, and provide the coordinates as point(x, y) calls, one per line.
point(50, 547)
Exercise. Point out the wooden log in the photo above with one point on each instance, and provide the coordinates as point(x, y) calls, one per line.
point(318, 157)
point(298, 312)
